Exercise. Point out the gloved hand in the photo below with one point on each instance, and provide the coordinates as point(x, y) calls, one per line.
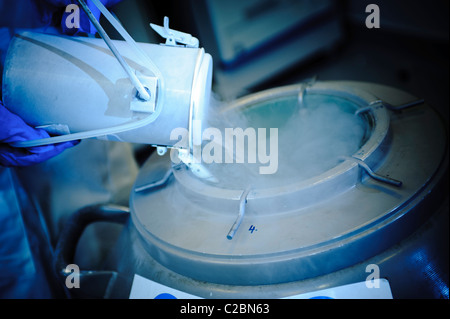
point(14, 129)
point(85, 23)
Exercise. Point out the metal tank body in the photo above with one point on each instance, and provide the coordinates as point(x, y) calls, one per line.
point(385, 204)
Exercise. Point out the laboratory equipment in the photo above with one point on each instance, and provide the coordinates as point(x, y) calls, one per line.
point(74, 87)
point(252, 42)
point(380, 204)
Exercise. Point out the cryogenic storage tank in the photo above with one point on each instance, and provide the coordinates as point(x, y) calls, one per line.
point(360, 185)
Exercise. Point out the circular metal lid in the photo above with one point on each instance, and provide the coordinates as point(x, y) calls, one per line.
point(299, 229)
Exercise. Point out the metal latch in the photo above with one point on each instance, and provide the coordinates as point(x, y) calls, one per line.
point(173, 37)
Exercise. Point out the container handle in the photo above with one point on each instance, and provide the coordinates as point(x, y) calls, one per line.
point(97, 283)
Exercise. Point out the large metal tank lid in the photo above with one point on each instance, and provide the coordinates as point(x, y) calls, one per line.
point(183, 221)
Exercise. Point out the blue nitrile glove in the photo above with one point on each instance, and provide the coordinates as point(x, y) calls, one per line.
point(85, 24)
point(14, 129)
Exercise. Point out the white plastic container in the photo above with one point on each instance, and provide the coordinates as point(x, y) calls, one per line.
point(75, 85)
